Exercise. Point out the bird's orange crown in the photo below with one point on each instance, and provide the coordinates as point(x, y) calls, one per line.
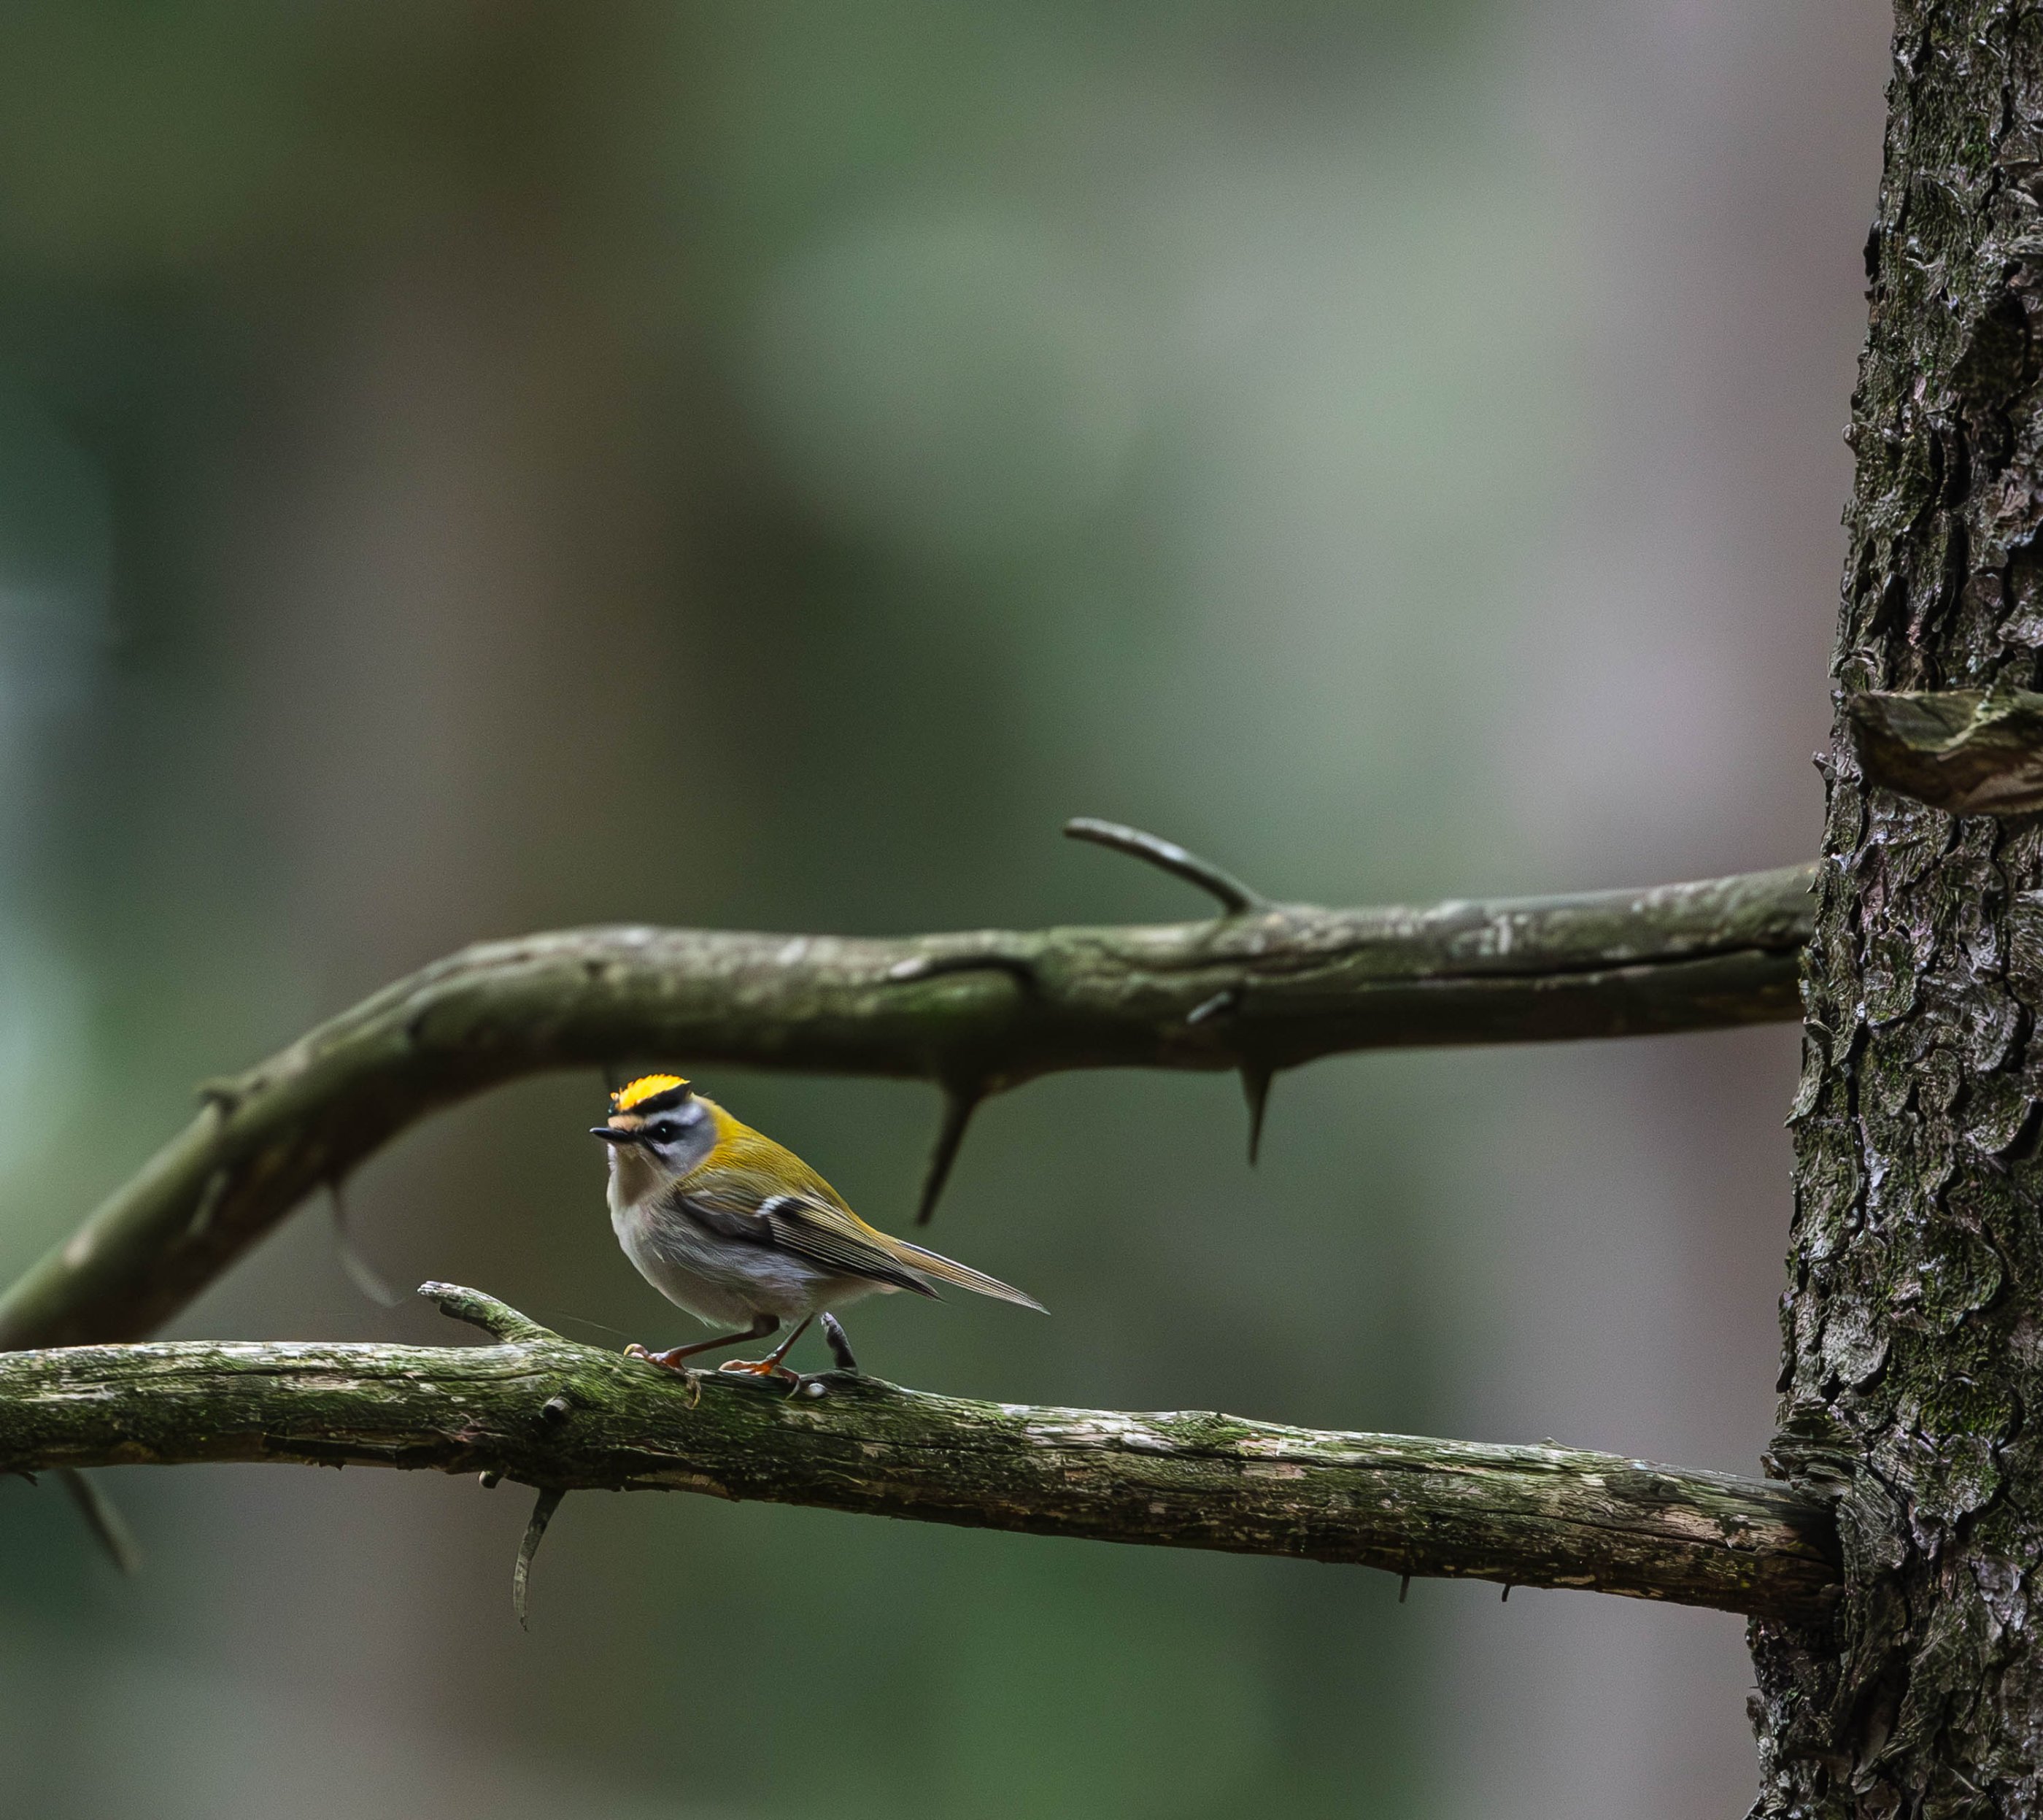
point(638, 1096)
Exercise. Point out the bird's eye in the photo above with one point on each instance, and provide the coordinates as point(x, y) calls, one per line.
point(665, 1132)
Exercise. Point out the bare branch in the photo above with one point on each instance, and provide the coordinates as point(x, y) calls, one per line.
point(560, 1416)
point(1252, 993)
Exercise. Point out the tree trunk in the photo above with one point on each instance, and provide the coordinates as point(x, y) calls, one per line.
point(1914, 1356)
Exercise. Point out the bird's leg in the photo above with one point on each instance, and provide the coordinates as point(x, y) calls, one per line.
point(769, 1366)
point(840, 1345)
point(764, 1325)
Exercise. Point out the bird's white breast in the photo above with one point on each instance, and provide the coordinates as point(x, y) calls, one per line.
point(721, 1280)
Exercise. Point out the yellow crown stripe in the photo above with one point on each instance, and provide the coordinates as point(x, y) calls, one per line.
point(646, 1087)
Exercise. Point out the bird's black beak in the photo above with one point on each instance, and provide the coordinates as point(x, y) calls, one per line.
point(610, 1134)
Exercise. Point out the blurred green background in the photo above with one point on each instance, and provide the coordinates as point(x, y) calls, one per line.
point(465, 469)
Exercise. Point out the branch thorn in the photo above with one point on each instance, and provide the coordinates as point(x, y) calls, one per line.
point(102, 1516)
point(521, 1575)
point(1256, 1089)
point(361, 1272)
point(1236, 898)
point(960, 1104)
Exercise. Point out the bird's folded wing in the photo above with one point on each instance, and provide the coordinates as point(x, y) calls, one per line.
point(804, 1226)
point(948, 1270)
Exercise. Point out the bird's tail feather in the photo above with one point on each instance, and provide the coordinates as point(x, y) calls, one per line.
point(948, 1270)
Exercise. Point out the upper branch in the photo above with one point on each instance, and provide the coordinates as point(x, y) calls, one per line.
point(1263, 989)
point(551, 1413)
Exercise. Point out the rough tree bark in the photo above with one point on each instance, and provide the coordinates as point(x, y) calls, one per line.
point(1913, 1380)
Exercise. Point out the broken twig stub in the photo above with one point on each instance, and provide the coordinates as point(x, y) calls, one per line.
point(1969, 751)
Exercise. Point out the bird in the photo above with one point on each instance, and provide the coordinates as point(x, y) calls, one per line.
point(741, 1233)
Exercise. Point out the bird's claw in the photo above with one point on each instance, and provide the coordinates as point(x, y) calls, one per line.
point(667, 1362)
point(799, 1383)
point(759, 1368)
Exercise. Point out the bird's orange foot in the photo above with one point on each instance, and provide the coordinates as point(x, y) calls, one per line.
point(761, 1368)
point(667, 1362)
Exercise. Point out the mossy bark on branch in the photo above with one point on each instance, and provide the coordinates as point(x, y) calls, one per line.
point(973, 1012)
point(549, 1412)
point(1913, 1379)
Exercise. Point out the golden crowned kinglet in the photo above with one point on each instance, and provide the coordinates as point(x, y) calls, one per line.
point(736, 1229)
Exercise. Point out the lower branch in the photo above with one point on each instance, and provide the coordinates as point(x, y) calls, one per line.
point(1263, 988)
point(550, 1413)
